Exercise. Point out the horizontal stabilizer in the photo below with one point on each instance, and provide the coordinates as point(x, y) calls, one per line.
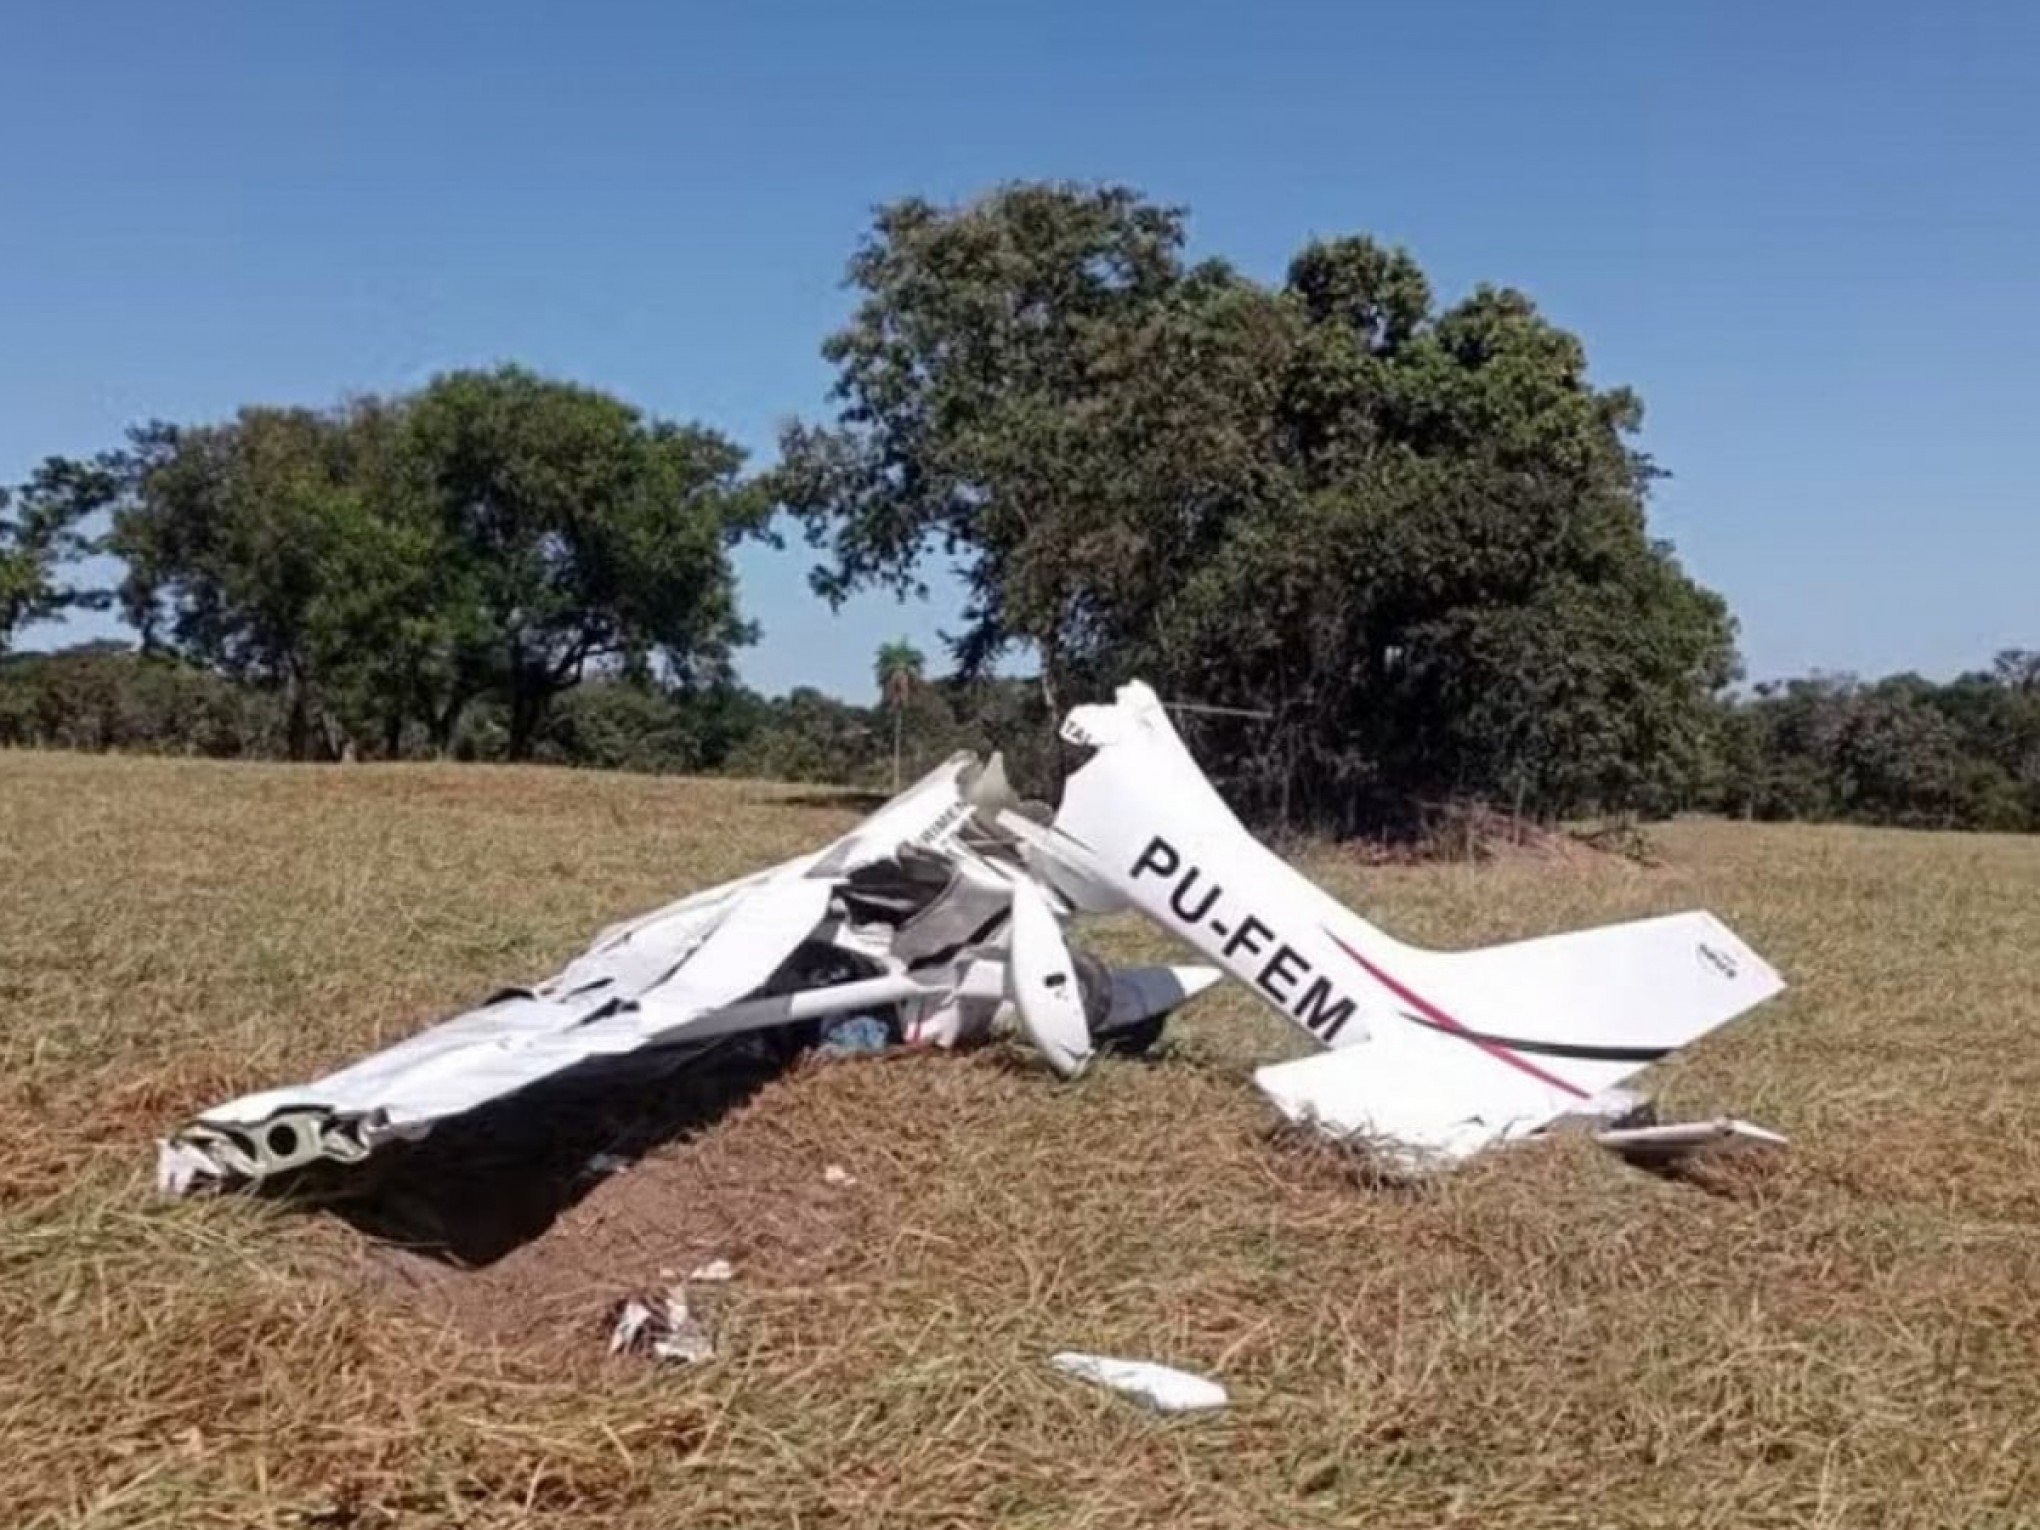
point(1441, 1052)
point(1497, 1043)
point(1593, 1006)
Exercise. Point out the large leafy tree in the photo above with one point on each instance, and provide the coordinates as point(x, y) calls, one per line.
point(1022, 390)
point(1416, 536)
point(1454, 590)
point(580, 533)
point(384, 565)
point(283, 548)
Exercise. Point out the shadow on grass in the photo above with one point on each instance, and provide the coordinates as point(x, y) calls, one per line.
point(1305, 1156)
point(1749, 1175)
point(487, 1183)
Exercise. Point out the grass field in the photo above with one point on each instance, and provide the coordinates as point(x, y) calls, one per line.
point(1849, 1337)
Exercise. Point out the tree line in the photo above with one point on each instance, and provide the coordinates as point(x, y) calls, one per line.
point(1901, 751)
point(1401, 546)
point(108, 696)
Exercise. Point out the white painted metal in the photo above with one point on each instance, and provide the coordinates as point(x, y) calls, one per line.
point(1044, 985)
point(1680, 1139)
point(1434, 1054)
point(1161, 1387)
point(1440, 1053)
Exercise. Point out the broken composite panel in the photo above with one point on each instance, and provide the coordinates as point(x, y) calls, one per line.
point(943, 917)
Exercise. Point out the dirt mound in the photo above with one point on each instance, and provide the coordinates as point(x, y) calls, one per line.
point(751, 1186)
point(1474, 831)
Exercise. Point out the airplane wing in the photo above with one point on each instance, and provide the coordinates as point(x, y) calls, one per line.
point(657, 980)
point(914, 907)
point(507, 1044)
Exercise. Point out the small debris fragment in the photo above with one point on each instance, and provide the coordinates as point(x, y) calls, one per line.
point(854, 1034)
point(714, 1272)
point(687, 1344)
point(836, 1174)
point(665, 1329)
point(1161, 1387)
point(631, 1322)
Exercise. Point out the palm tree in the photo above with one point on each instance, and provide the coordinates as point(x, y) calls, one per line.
point(900, 667)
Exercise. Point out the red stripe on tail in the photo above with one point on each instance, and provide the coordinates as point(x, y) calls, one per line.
point(1432, 1012)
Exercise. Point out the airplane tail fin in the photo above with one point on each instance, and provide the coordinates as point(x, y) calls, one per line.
point(1440, 1051)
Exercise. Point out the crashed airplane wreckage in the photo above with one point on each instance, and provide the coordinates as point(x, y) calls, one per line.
point(943, 913)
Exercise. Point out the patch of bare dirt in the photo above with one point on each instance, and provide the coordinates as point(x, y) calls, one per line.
point(1474, 831)
point(748, 1184)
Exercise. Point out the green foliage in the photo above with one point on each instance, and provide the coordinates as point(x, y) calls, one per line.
point(104, 697)
point(576, 534)
point(1416, 536)
point(807, 736)
point(40, 532)
point(998, 405)
point(284, 549)
point(615, 724)
point(1409, 538)
point(900, 671)
point(385, 565)
point(1901, 751)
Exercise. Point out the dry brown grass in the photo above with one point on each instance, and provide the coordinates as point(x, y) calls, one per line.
point(1549, 1339)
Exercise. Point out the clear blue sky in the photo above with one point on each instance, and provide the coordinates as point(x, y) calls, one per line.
point(1807, 233)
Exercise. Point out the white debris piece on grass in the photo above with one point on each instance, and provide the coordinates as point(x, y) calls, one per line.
point(666, 1330)
point(836, 1174)
point(631, 1323)
point(180, 1168)
point(686, 1338)
point(714, 1272)
point(1161, 1387)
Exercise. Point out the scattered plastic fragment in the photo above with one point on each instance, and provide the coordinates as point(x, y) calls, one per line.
point(1161, 1387)
point(836, 1174)
point(686, 1339)
point(665, 1329)
point(632, 1320)
point(1677, 1140)
point(853, 1034)
point(714, 1272)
